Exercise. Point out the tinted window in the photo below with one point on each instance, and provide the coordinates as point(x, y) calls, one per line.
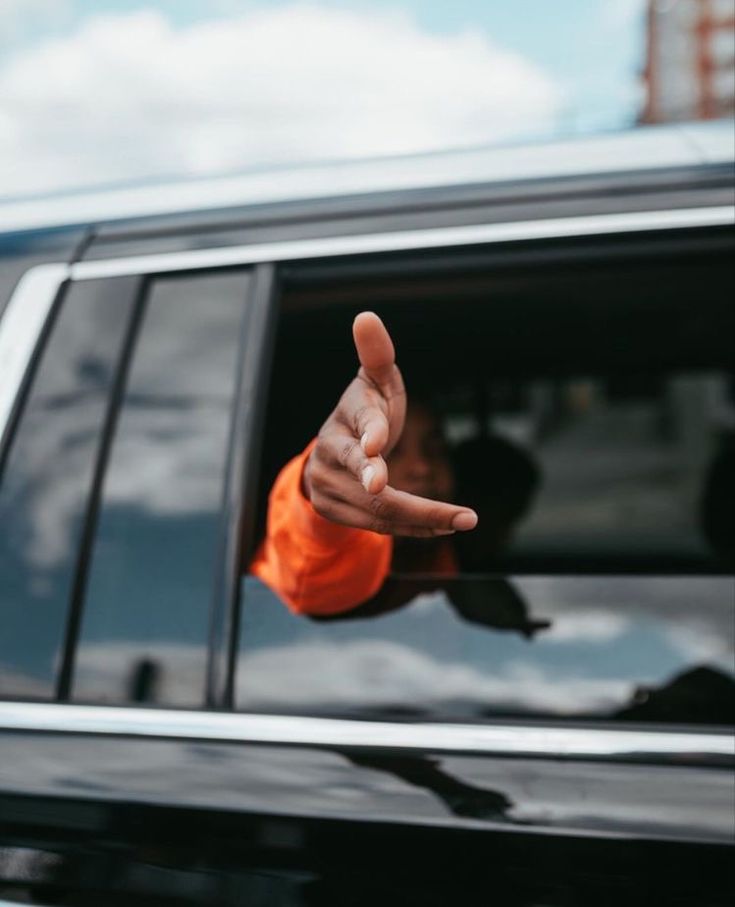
point(473, 648)
point(44, 491)
point(146, 613)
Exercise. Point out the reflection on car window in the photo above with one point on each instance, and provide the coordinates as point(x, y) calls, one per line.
point(146, 614)
point(652, 649)
point(45, 485)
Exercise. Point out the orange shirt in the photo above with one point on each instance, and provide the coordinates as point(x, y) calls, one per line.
point(316, 566)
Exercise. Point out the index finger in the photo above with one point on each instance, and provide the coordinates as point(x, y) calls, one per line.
point(375, 349)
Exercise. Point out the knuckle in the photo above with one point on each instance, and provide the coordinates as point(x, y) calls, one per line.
point(329, 512)
point(379, 508)
point(318, 501)
point(318, 474)
point(323, 506)
point(360, 416)
point(324, 443)
point(345, 452)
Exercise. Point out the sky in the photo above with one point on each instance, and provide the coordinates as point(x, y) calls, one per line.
point(109, 92)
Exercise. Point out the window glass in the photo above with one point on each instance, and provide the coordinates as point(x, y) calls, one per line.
point(473, 648)
point(146, 613)
point(45, 484)
point(586, 411)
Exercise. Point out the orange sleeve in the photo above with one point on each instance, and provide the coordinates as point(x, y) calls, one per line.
point(316, 566)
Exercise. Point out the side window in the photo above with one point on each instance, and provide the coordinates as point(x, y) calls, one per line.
point(45, 483)
point(145, 620)
point(587, 414)
point(111, 495)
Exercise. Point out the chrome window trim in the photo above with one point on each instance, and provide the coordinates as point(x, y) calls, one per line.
point(20, 327)
point(409, 240)
point(624, 744)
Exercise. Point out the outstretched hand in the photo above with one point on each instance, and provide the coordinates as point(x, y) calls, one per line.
point(346, 476)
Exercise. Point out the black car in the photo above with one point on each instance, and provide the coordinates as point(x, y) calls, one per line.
point(549, 726)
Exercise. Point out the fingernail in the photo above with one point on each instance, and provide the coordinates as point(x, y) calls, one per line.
point(464, 521)
point(367, 477)
point(364, 440)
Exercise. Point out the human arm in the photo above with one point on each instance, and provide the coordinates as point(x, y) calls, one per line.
point(332, 513)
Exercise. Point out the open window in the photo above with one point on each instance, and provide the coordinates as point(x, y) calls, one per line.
point(586, 390)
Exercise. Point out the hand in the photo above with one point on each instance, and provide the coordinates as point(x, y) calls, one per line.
point(346, 475)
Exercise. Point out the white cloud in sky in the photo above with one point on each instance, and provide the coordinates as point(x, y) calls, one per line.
point(125, 97)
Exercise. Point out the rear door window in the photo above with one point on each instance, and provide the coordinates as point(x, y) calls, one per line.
point(44, 486)
point(111, 526)
point(145, 617)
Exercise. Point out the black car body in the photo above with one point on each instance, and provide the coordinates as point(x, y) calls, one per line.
point(170, 734)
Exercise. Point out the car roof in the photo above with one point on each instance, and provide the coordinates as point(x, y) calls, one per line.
point(643, 149)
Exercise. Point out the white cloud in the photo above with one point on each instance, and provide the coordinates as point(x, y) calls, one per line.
point(593, 626)
point(130, 96)
point(375, 673)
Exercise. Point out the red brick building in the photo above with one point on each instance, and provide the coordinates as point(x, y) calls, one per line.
point(690, 60)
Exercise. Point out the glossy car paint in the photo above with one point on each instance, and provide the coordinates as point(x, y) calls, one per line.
point(218, 816)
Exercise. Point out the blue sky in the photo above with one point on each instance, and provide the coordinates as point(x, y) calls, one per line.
point(79, 78)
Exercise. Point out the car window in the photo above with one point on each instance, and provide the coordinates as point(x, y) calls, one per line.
point(587, 413)
point(44, 486)
point(149, 590)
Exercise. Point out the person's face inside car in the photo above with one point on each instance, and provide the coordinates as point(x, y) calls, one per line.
point(419, 463)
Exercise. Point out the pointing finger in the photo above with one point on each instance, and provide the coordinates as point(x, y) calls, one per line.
point(375, 350)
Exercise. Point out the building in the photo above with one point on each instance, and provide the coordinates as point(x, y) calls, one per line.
point(690, 60)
